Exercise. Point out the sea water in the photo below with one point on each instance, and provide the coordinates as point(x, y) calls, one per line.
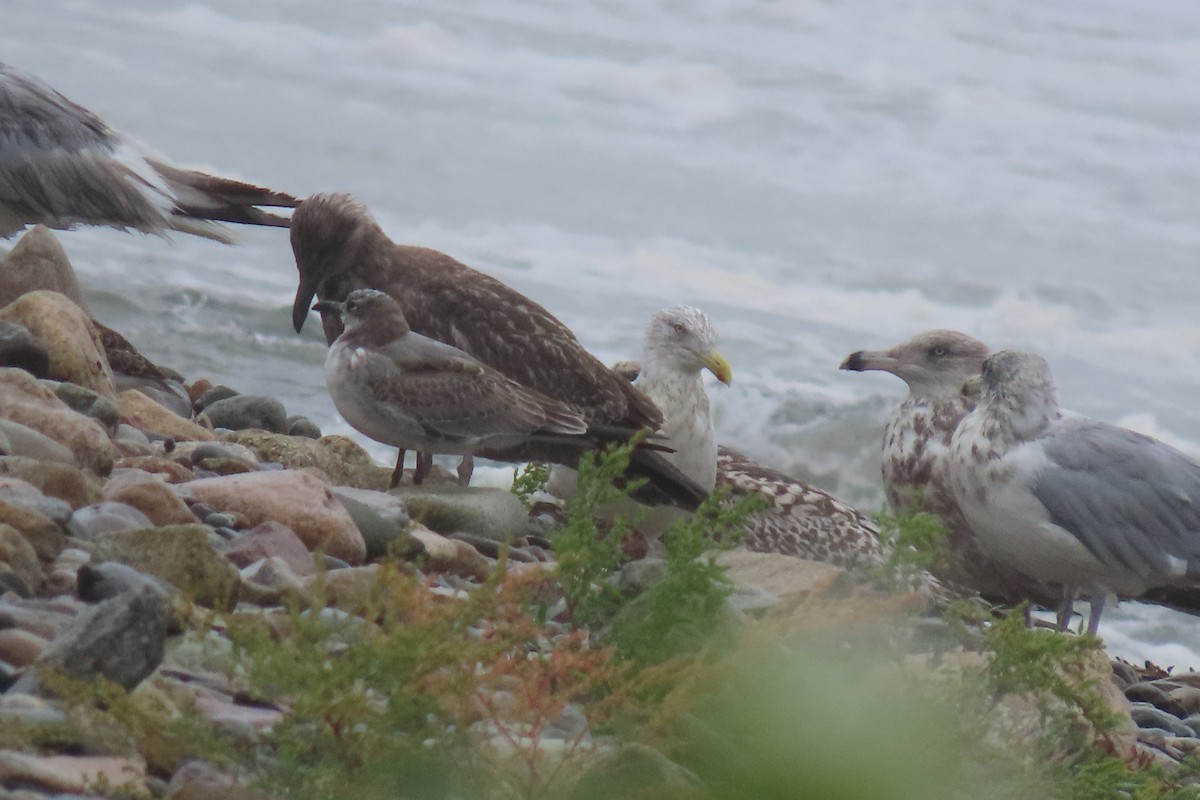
point(820, 177)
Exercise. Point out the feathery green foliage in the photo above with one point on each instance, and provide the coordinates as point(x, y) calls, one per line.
point(528, 481)
point(914, 543)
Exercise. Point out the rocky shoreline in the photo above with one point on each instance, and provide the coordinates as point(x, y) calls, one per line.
point(140, 512)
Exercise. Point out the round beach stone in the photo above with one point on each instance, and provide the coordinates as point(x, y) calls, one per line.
point(98, 519)
point(25, 441)
point(20, 558)
point(248, 411)
point(157, 420)
point(212, 394)
point(64, 481)
point(381, 518)
point(38, 262)
point(342, 460)
point(21, 349)
point(181, 555)
point(88, 402)
point(148, 494)
point(270, 540)
point(1147, 716)
point(297, 499)
point(23, 399)
point(76, 354)
point(20, 648)
point(449, 508)
point(303, 427)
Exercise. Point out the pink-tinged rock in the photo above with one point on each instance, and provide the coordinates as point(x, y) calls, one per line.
point(150, 495)
point(72, 773)
point(450, 555)
point(270, 539)
point(24, 400)
point(19, 647)
point(299, 500)
point(149, 417)
point(76, 353)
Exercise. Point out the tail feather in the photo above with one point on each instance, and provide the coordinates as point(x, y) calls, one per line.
point(206, 197)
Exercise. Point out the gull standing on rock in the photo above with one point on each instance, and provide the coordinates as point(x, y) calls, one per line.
point(62, 166)
point(1080, 505)
point(407, 390)
point(940, 368)
point(339, 247)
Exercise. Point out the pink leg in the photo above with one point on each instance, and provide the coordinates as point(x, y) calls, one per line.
point(465, 468)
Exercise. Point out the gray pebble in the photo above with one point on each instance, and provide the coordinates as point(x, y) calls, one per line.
point(202, 510)
point(248, 411)
point(226, 533)
point(221, 519)
point(210, 450)
point(101, 581)
point(21, 349)
point(1124, 674)
point(131, 435)
point(332, 563)
point(94, 521)
point(1147, 716)
point(302, 426)
point(219, 392)
point(1147, 692)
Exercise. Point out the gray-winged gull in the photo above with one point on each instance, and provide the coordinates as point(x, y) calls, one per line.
point(1074, 503)
point(340, 247)
point(410, 391)
point(937, 365)
point(62, 166)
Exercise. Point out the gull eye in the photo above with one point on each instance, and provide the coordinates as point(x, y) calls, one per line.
point(938, 351)
point(352, 305)
point(678, 327)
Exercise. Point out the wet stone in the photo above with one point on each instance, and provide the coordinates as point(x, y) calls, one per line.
point(248, 411)
point(21, 349)
point(213, 395)
point(302, 426)
point(1147, 716)
point(1146, 692)
point(92, 522)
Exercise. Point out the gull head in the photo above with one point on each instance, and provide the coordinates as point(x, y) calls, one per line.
point(683, 339)
point(327, 232)
point(369, 316)
point(935, 363)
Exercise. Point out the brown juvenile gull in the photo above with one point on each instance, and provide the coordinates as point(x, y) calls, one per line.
point(339, 247)
point(407, 390)
point(1086, 507)
point(62, 166)
point(801, 520)
point(938, 365)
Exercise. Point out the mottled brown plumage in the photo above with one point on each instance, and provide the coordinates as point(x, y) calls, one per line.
point(801, 520)
point(939, 367)
point(414, 392)
point(339, 247)
point(62, 166)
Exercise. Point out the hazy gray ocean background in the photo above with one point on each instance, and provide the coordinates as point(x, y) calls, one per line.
point(820, 177)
